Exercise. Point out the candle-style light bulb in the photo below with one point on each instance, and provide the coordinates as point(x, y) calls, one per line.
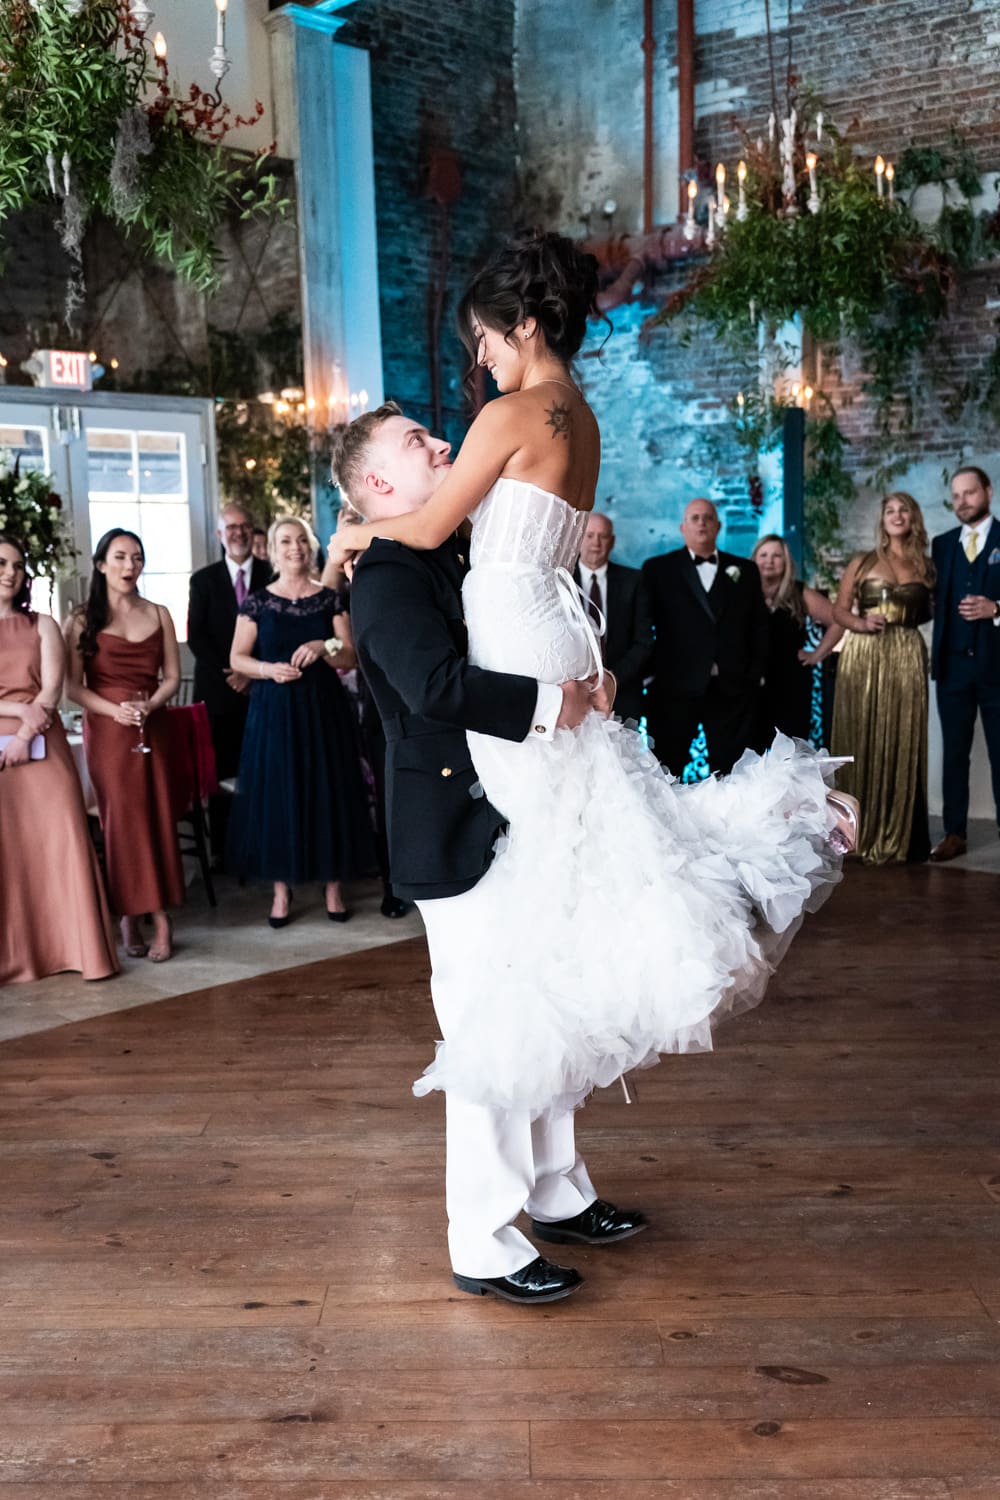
point(218, 62)
point(160, 47)
point(720, 189)
point(741, 205)
point(879, 173)
point(692, 192)
point(811, 163)
point(890, 177)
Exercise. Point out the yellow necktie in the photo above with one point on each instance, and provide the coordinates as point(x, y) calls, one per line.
point(972, 545)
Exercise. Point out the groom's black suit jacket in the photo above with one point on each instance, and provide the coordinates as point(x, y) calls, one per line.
point(725, 626)
point(406, 617)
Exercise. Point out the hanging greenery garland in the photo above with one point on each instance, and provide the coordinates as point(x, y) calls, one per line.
point(88, 124)
point(32, 511)
point(830, 240)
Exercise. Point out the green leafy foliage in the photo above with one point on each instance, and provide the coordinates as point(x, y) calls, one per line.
point(862, 269)
point(69, 86)
point(32, 511)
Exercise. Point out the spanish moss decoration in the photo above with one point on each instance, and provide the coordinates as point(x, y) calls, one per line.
point(90, 123)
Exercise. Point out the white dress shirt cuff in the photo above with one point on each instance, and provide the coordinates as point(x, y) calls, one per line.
point(548, 706)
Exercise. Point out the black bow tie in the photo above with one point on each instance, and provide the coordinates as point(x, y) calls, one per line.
point(703, 562)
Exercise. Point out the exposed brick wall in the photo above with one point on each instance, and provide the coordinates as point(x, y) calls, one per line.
point(442, 78)
point(891, 74)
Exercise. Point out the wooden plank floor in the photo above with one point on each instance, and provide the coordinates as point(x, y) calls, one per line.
point(223, 1271)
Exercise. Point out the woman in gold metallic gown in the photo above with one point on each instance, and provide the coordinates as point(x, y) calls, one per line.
point(880, 707)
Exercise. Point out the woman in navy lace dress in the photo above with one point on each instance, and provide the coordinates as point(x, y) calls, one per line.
point(301, 813)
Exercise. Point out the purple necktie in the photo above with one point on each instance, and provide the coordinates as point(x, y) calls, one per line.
point(241, 587)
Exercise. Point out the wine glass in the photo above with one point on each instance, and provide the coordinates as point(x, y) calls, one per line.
point(138, 700)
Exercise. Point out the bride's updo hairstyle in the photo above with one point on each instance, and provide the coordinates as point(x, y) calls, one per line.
point(540, 276)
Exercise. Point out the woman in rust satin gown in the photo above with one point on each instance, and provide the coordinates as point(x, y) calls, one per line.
point(53, 913)
point(122, 647)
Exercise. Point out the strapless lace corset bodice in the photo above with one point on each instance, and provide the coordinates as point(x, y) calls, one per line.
point(517, 523)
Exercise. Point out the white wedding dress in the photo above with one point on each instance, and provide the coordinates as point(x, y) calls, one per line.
point(625, 913)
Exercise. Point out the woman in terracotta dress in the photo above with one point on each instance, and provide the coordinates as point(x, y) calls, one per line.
point(124, 667)
point(53, 912)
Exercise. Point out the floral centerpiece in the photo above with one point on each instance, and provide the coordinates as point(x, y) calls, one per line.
point(31, 511)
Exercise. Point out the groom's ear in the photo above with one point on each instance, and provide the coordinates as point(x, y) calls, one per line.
point(377, 484)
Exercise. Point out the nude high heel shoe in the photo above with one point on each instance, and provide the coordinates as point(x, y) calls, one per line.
point(843, 836)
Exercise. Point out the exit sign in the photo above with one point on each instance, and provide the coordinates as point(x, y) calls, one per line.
point(67, 368)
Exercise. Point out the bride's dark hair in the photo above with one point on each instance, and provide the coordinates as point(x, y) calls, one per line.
point(534, 275)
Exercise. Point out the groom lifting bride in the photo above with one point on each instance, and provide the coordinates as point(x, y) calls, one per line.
point(406, 615)
point(584, 912)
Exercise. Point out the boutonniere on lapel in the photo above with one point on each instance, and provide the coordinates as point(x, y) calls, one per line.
point(994, 557)
point(733, 572)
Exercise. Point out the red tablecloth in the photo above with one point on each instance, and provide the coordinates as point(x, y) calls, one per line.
point(192, 760)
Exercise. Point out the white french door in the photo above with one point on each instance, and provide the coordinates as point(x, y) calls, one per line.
point(145, 463)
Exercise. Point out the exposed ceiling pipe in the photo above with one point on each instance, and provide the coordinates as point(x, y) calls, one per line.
point(649, 48)
point(685, 98)
point(659, 248)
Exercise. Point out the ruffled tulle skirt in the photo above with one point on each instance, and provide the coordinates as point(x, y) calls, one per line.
point(625, 914)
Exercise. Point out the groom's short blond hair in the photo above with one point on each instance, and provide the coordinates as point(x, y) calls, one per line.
point(350, 450)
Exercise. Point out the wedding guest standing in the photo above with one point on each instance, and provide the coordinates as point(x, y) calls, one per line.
point(44, 842)
point(124, 668)
point(880, 708)
point(965, 651)
point(300, 812)
point(216, 593)
point(786, 695)
point(711, 646)
point(619, 594)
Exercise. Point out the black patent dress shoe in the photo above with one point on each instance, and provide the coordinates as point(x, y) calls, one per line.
point(539, 1281)
point(392, 906)
point(600, 1224)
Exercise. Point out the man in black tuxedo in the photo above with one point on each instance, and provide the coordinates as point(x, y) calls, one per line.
point(711, 646)
point(620, 595)
point(965, 649)
point(215, 594)
point(406, 615)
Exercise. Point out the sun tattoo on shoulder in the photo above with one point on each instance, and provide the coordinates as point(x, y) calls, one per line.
point(559, 419)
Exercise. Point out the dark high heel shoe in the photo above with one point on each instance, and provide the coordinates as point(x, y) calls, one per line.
point(283, 921)
point(338, 916)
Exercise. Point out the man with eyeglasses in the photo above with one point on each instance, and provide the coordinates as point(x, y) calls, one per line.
point(216, 592)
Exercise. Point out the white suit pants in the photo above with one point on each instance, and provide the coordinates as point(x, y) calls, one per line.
point(499, 1162)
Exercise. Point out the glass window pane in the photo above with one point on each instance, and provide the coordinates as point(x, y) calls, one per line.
point(107, 513)
point(161, 464)
point(25, 443)
point(170, 589)
point(166, 535)
point(110, 466)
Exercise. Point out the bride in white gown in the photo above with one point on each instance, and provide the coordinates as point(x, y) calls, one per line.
point(625, 913)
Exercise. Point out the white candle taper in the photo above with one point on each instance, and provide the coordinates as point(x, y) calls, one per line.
point(879, 174)
point(811, 161)
point(741, 206)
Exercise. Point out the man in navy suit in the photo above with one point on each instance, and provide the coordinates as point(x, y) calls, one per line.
point(965, 653)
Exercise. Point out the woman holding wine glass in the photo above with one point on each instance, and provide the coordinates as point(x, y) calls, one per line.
point(880, 707)
point(124, 667)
